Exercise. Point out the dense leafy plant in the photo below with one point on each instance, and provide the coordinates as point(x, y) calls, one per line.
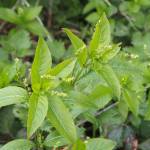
point(44, 100)
point(88, 84)
point(91, 96)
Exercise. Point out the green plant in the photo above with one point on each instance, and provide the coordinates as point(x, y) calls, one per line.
point(99, 84)
point(44, 101)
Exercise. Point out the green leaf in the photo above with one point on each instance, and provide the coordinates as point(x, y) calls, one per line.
point(19, 144)
point(100, 144)
point(8, 73)
point(110, 77)
point(131, 101)
point(17, 41)
point(77, 43)
point(63, 69)
point(101, 36)
point(12, 95)
point(30, 13)
point(55, 140)
point(82, 100)
point(79, 145)
point(101, 96)
point(110, 118)
point(8, 15)
point(38, 106)
point(110, 52)
point(144, 128)
point(123, 109)
point(79, 46)
point(92, 17)
point(7, 120)
point(88, 7)
point(57, 49)
point(98, 98)
point(61, 119)
point(36, 28)
point(41, 64)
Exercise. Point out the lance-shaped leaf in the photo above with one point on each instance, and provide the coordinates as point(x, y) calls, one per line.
point(63, 69)
point(98, 98)
point(55, 139)
point(101, 96)
point(79, 46)
point(132, 101)
point(110, 77)
point(61, 119)
point(38, 106)
point(109, 52)
point(100, 144)
point(101, 36)
point(41, 64)
point(12, 95)
point(19, 144)
point(35, 28)
point(9, 15)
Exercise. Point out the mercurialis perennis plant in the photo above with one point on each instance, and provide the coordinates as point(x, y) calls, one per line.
point(97, 85)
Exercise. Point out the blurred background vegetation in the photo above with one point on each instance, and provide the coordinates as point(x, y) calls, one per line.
point(21, 22)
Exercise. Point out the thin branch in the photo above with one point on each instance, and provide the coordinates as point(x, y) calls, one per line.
point(107, 2)
point(99, 113)
point(130, 20)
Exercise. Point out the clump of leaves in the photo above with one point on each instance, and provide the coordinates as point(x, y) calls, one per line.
point(94, 85)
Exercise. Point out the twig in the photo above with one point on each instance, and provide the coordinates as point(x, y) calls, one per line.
point(107, 2)
point(2, 25)
point(129, 20)
point(100, 112)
